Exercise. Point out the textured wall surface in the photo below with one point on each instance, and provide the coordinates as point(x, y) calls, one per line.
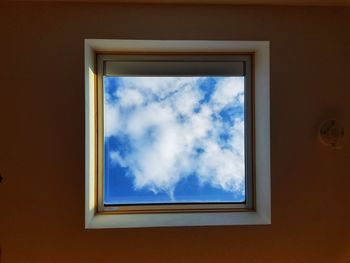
point(42, 134)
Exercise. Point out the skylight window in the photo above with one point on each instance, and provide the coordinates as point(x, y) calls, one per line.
point(173, 137)
point(174, 130)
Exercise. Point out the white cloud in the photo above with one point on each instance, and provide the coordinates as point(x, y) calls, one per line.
point(129, 97)
point(227, 91)
point(115, 157)
point(166, 126)
point(111, 119)
point(221, 167)
point(185, 100)
point(156, 86)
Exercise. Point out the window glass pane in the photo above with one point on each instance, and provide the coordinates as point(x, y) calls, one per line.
point(173, 140)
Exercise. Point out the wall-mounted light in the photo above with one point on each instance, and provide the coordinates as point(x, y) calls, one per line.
point(331, 134)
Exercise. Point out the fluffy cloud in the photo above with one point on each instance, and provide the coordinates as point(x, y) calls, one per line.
point(226, 92)
point(177, 127)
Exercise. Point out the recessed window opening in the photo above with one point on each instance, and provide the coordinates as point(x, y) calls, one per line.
point(177, 133)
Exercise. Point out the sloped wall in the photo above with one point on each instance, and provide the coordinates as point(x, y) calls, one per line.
point(42, 134)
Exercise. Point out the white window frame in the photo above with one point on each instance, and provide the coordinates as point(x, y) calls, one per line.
point(261, 212)
point(176, 64)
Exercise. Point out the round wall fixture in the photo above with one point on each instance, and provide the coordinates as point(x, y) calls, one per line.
point(331, 133)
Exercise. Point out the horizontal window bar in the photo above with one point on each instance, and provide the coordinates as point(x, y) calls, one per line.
point(176, 208)
point(174, 68)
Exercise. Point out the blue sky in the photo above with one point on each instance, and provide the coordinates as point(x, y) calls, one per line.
point(173, 139)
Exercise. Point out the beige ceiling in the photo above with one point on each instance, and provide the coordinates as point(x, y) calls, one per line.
point(234, 2)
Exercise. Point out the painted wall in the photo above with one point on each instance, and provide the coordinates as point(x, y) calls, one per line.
point(237, 2)
point(42, 134)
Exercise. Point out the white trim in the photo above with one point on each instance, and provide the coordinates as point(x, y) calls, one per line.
point(262, 215)
point(89, 136)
